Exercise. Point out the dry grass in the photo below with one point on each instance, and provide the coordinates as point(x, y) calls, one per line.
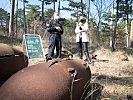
point(116, 75)
point(111, 74)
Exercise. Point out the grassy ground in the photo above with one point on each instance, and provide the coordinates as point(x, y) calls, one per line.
point(112, 72)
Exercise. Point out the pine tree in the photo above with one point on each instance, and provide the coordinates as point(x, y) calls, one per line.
point(11, 22)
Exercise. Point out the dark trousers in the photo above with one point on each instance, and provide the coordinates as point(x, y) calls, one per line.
point(54, 41)
point(83, 46)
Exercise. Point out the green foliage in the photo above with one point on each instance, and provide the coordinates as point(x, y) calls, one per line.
point(69, 25)
point(107, 16)
point(100, 21)
point(92, 23)
point(67, 9)
point(76, 4)
point(46, 0)
point(4, 17)
point(75, 7)
point(48, 14)
point(125, 8)
point(4, 21)
point(20, 17)
point(106, 24)
point(32, 12)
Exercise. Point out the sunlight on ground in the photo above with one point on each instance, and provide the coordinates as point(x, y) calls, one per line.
point(112, 70)
point(115, 75)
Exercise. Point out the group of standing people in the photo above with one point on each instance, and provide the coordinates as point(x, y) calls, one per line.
point(56, 30)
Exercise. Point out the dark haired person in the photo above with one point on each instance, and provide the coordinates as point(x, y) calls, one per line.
point(81, 31)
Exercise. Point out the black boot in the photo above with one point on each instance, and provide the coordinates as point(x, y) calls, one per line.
point(88, 57)
point(48, 59)
point(80, 55)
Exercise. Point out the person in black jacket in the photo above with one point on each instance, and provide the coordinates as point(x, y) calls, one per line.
point(56, 30)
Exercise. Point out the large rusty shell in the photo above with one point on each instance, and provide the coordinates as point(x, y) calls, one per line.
point(53, 80)
point(11, 61)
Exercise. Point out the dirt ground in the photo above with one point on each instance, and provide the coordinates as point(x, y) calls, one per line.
point(112, 75)
point(112, 72)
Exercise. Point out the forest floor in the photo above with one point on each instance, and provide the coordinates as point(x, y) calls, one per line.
point(112, 74)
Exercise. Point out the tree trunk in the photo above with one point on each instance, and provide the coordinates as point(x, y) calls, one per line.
point(131, 34)
point(115, 28)
point(88, 11)
point(126, 31)
point(59, 7)
point(42, 10)
point(90, 35)
point(98, 35)
point(16, 29)
point(112, 15)
point(25, 27)
point(54, 5)
point(11, 22)
point(42, 16)
point(82, 9)
point(126, 27)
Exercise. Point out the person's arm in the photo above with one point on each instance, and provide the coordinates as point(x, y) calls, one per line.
point(50, 27)
point(77, 29)
point(61, 30)
point(85, 27)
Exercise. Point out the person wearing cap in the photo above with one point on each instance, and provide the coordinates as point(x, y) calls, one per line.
point(56, 30)
point(81, 31)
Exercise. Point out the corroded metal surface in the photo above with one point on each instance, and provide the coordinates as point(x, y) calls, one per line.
point(53, 80)
point(11, 61)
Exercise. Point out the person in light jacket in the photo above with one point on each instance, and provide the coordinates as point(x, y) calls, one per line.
point(81, 31)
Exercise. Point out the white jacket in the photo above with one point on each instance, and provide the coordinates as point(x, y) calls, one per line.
point(83, 34)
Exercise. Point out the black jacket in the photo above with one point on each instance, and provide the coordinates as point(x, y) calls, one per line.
point(51, 27)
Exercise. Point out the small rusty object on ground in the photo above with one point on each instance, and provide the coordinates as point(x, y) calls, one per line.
point(11, 61)
point(65, 79)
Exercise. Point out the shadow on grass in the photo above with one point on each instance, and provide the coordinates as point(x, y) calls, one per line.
point(110, 81)
point(128, 71)
point(71, 46)
point(125, 81)
point(93, 92)
point(129, 50)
